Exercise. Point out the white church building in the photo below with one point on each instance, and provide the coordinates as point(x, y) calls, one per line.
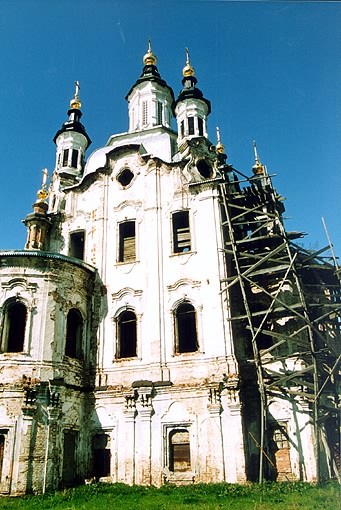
point(160, 325)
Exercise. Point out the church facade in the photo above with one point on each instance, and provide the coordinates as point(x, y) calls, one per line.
point(133, 346)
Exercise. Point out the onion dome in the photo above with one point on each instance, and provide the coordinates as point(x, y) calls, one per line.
point(150, 72)
point(188, 70)
point(74, 113)
point(149, 59)
point(190, 91)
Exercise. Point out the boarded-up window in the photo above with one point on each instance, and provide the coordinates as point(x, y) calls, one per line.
point(76, 246)
point(281, 451)
point(101, 455)
point(126, 335)
point(179, 450)
point(181, 232)
point(144, 113)
point(127, 248)
point(14, 326)
point(159, 112)
point(186, 328)
point(74, 333)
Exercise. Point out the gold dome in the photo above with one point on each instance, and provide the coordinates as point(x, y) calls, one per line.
point(42, 194)
point(188, 70)
point(149, 59)
point(75, 103)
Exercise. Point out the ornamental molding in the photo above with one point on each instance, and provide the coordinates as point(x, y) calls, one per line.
point(184, 281)
point(126, 291)
point(19, 282)
point(136, 204)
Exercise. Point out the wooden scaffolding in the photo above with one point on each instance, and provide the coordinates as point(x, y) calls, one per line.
point(285, 304)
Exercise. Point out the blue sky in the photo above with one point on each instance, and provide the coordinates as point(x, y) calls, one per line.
point(270, 69)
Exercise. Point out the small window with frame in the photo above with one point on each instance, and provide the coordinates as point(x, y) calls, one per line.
point(127, 242)
point(181, 232)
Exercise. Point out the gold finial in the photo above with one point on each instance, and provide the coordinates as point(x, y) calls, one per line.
point(188, 70)
point(257, 168)
point(149, 59)
point(75, 102)
point(42, 194)
point(219, 147)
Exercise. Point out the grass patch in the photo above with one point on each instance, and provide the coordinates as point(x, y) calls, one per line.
point(267, 496)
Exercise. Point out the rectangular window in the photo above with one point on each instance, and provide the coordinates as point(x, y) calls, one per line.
point(144, 113)
point(127, 248)
point(101, 455)
point(69, 458)
point(159, 112)
point(191, 125)
point(179, 450)
point(200, 126)
point(182, 128)
point(3, 434)
point(76, 246)
point(65, 157)
point(181, 232)
point(74, 158)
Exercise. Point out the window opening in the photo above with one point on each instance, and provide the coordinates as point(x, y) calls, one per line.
point(65, 157)
point(2, 450)
point(200, 126)
point(191, 125)
point(204, 169)
point(127, 249)
point(186, 328)
point(125, 177)
point(74, 158)
point(69, 458)
point(159, 112)
point(182, 128)
point(179, 450)
point(14, 328)
point(74, 332)
point(77, 242)
point(181, 232)
point(101, 455)
point(144, 113)
point(127, 335)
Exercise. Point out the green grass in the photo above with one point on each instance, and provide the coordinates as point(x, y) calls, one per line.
point(267, 496)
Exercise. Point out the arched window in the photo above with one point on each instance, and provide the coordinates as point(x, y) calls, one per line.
point(74, 333)
point(186, 328)
point(126, 335)
point(14, 326)
point(179, 450)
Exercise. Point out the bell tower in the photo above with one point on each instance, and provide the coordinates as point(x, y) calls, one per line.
point(191, 107)
point(71, 141)
point(150, 98)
